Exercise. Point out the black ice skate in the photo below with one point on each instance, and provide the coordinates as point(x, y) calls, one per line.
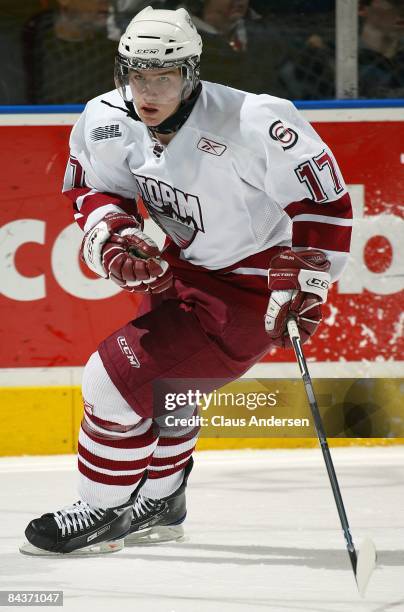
point(80, 529)
point(159, 520)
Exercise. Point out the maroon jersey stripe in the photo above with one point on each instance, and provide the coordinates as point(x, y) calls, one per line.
point(339, 208)
point(321, 236)
point(93, 201)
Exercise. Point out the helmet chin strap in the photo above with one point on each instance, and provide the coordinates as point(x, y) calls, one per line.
point(176, 120)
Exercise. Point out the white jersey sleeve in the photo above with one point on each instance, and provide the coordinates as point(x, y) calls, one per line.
point(97, 178)
point(302, 176)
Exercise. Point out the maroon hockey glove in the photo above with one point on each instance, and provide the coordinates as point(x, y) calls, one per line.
point(117, 248)
point(298, 282)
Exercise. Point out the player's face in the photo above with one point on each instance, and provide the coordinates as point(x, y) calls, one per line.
point(157, 93)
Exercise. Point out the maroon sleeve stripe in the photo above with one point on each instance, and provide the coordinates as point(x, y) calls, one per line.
point(92, 201)
point(75, 193)
point(338, 208)
point(321, 236)
point(81, 221)
point(78, 172)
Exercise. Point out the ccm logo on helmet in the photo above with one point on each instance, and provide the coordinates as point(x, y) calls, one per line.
point(317, 282)
point(147, 51)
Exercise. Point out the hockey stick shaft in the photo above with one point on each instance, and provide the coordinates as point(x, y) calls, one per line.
point(297, 345)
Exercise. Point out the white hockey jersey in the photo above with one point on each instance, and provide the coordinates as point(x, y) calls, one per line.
point(245, 173)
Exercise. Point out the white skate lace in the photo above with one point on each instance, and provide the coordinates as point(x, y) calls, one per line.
point(76, 517)
point(143, 505)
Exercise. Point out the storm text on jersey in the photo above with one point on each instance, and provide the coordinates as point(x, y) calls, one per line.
point(178, 213)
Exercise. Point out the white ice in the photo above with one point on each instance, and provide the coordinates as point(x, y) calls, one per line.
point(263, 534)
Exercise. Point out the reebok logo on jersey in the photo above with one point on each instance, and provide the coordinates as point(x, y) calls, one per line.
point(210, 146)
point(105, 132)
point(286, 136)
point(128, 352)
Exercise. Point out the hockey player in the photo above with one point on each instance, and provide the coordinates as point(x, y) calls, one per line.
point(245, 191)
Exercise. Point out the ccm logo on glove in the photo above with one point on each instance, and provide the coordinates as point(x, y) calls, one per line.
point(317, 282)
point(299, 283)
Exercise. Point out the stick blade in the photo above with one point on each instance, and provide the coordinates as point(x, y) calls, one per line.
point(365, 565)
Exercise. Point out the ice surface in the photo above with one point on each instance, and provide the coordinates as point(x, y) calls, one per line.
point(263, 535)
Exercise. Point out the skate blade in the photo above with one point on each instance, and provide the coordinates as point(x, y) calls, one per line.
point(95, 549)
point(156, 534)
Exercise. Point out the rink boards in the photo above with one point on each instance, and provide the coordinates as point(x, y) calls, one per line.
point(53, 313)
point(366, 411)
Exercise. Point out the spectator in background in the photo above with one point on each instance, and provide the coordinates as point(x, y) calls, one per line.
point(238, 48)
point(309, 72)
point(123, 12)
point(292, 8)
point(381, 50)
point(12, 76)
point(12, 72)
point(66, 51)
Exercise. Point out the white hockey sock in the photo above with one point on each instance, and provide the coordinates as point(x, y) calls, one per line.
point(115, 444)
point(110, 467)
point(166, 469)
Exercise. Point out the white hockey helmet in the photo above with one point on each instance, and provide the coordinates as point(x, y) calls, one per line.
point(157, 38)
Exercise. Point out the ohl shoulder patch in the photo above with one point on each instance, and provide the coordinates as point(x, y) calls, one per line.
point(105, 132)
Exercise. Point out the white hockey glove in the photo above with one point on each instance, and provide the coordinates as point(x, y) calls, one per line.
point(299, 283)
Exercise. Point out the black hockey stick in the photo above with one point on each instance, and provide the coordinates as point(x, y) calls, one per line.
point(364, 562)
